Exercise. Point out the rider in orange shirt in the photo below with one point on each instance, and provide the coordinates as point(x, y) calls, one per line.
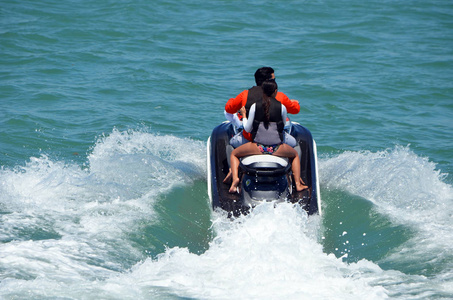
point(247, 98)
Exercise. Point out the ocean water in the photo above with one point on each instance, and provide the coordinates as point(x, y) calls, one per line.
point(105, 109)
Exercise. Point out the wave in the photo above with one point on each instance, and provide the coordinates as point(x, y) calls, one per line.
point(273, 253)
point(409, 191)
point(277, 252)
point(61, 222)
point(400, 184)
point(68, 230)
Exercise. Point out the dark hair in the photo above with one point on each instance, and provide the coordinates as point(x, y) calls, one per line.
point(263, 74)
point(269, 87)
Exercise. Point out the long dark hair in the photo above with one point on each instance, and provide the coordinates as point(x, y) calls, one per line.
point(269, 87)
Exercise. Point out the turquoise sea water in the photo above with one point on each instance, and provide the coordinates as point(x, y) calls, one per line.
point(105, 109)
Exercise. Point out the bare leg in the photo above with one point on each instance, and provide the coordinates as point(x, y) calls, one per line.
point(295, 167)
point(228, 176)
point(241, 151)
point(234, 172)
point(287, 151)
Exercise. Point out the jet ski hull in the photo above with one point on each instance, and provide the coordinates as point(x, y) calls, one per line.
point(277, 185)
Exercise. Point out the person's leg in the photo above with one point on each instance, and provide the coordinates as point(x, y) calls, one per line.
point(287, 151)
point(238, 140)
point(244, 150)
point(234, 173)
point(289, 139)
point(295, 167)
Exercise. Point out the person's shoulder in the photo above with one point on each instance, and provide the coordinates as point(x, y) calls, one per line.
point(281, 94)
point(234, 104)
point(244, 92)
point(292, 106)
point(240, 95)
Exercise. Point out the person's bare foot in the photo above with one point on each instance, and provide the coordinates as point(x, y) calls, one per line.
point(228, 177)
point(300, 186)
point(234, 186)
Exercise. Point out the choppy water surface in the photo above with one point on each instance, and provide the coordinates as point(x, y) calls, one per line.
point(105, 111)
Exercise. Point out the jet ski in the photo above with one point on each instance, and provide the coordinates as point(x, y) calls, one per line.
point(262, 177)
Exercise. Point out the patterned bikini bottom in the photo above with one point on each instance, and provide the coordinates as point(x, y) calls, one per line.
point(268, 149)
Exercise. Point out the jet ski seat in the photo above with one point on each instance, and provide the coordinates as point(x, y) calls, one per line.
point(265, 164)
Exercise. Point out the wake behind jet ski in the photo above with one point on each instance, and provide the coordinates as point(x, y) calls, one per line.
point(263, 177)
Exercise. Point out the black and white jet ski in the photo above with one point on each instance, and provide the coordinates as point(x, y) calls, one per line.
point(263, 177)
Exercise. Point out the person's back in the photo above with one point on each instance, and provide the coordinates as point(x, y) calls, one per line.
point(266, 124)
point(268, 130)
point(254, 95)
point(248, 97)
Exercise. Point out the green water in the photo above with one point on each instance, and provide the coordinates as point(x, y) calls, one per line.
point(105, 110)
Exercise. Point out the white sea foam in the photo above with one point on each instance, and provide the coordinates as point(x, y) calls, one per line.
point(83, 214)
point(64, 225)
point(404, 186)
point(408, 189)
point(270, 254)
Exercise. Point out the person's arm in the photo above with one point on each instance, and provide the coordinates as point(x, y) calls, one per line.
point(248, 123)
point(233, 105)
point(233, 118)
point(292, 106)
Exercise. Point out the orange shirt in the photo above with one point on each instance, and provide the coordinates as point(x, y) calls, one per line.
point(234, 104)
